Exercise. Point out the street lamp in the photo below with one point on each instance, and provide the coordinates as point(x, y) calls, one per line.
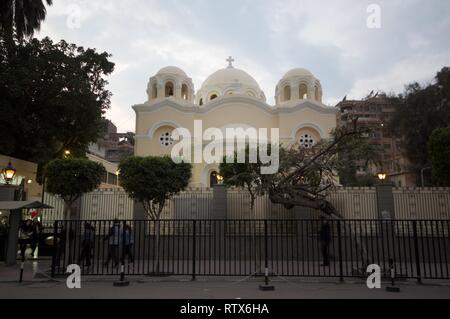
point(117, 177)
point(219, 179)
point(381, 176)
point(8, 173)
point(66, 153)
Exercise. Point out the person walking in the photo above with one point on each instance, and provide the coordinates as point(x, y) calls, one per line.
point(114, 239)
point(325, 239)
point(36, 231)
point(88, 244)
point(25, 236)
point(129, 242)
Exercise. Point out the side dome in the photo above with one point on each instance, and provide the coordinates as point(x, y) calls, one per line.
point(172, 70)
point(298, 84)
point(170, 82)
point(228, 81)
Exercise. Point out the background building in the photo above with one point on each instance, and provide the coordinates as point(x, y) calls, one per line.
point(375, 112)
point(113, 146)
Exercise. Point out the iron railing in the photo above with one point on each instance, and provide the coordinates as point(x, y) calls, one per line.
point(419, 249)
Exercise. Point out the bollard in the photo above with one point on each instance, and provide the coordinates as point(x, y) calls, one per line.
point(392, 287)
point(266, 286)
point(122, 282)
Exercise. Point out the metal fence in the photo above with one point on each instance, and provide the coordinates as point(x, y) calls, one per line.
point(287, 247)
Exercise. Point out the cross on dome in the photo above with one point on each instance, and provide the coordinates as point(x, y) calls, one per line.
point(230, 60)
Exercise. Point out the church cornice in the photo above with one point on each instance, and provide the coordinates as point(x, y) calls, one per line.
point(191, 108)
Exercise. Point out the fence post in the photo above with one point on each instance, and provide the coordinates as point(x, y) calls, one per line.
point(416, 252)
point(194, 239)
point(55, 247)
point(266, 285)
point(341, 275)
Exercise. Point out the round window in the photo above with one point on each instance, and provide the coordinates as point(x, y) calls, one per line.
point(306, 140)
point(166, 139)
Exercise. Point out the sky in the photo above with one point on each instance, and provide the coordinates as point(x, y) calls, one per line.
point(351, 46)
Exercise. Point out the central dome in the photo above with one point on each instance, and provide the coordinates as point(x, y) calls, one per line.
point(230, 76)
point(227, 82)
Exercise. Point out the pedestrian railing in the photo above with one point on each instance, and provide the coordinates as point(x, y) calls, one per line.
point(419, 249)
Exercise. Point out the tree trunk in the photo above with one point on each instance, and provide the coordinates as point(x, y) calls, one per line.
point(157, 234)
point(67, 214)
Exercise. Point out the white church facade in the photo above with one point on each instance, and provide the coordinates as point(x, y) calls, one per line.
point(229, 98)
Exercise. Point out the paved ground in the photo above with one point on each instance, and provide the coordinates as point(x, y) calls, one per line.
point(36, 285)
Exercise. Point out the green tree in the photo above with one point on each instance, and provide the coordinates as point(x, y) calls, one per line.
point(244, 175)
point(358, 153)
point(70, 179)
point(152, 181)
point(439, 153)
point(53, 97)
point(22, 16)
point(304, 174)
point(421, 109)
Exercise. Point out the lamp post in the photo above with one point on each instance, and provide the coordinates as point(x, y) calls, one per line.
point(8, 173)
point(117, 177)
point(381, 176)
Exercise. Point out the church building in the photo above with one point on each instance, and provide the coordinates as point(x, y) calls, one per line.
point(229, 98)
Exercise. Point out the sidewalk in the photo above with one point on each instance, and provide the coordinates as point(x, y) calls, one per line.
point(178, 287)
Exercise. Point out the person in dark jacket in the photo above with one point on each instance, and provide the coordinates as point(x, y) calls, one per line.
point(325, 239)
point(37, 230)
point(114, 239)
point(129, 242)
point(25, 236)
point(88, 244)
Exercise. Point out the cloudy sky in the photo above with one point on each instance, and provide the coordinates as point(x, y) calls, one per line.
point(266, 37)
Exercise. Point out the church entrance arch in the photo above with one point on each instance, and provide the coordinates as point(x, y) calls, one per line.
point(213, 180)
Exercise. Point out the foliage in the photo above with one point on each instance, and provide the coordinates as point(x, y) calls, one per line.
point(22, 17)
point(439, 152)
point(71, 178)
point(358, 153)
point(53, 97)
point(153, 180)
point(421, 110)
point(304, 174)
point(243, 175)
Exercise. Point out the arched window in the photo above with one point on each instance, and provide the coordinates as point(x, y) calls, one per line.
point(303, 92)
point(213, 97)
point(316, 93)
point(213, 179)
point(154, 91)
point(200, 102)
point(169, 89)
point(184, 92)
point(287, 93)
